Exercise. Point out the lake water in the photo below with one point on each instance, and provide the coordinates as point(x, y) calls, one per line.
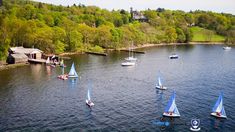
point(33, 99)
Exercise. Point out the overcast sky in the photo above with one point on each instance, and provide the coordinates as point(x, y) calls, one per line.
point(226, 6)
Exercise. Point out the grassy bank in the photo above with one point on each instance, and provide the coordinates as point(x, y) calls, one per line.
point(204, 35)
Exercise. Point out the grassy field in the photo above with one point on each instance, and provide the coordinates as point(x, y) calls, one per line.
point(204, 35)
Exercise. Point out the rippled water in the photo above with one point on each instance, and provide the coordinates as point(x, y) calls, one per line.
point(33, 99)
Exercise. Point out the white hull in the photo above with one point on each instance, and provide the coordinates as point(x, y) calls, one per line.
point(227, 48)
point(90, 104)
point(161, 87)
point(73, 76)
point(173, 56)
point(131, 59)
point(219, 116)
point(128, 63)
point(170, 115)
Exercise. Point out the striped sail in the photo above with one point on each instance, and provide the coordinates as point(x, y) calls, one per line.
point(218, 107)
point(171, 106)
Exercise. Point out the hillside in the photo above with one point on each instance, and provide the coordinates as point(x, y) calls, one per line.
point(78, 28)
point(205, 35)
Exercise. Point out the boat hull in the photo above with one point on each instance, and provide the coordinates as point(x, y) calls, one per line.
point(72, 76)
point(170, 115)
point(63, 77)
point(128, 63)
point(90, 104)
point(218, 116)
point(227, 48)
point(173, 57)
point(161, 87)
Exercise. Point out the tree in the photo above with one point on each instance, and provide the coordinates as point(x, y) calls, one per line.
point(180, 35)
point(171, 35)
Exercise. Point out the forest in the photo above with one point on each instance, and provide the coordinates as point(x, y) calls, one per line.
point(79, 28)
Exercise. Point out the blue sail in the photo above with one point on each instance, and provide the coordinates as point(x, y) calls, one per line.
point(218, 102)
point(72, 72)
point(170, 103)
point(223, 112)
point(171, 106)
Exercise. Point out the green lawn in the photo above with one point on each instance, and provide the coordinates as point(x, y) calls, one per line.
point(201, 34)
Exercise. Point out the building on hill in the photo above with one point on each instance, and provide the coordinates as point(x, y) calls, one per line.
point(138, 16)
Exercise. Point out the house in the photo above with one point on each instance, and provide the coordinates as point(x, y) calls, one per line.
point(21, 54)
point(138, 16)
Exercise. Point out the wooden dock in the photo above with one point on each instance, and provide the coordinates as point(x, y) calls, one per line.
point(97, 53)
point(37, 61)
point(134, 51)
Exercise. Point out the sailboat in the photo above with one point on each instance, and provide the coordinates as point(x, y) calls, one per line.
point(171, 109)
point(218, 109)
point(159, 85)
point(174, 55)
point(88, 100)
point(227, 48)
point(131, 57)
point(128, 63)
point(72, 72)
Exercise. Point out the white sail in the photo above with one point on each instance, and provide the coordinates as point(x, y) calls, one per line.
point(48, 60)
point(72, 72)
point(159, 81)
point(88, 95)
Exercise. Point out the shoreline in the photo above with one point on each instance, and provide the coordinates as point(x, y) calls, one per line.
point(4, 66)
point(170, 44)
point(10, 66)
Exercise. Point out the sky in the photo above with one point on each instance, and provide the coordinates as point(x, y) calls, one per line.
point(225, 6)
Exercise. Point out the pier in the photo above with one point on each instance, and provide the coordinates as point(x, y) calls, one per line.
point(97, 53)
point(134, 51)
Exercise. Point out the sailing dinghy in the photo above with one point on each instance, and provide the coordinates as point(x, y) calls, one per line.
point(88, 100)
point(171, 109)
point(159, 85)
point(72, 72)
point(218, 109)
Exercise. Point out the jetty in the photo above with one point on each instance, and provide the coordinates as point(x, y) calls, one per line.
point(97, 53)
point(134, 51)
point(37, 60)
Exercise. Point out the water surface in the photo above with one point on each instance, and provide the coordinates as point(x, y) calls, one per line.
point(33, 99)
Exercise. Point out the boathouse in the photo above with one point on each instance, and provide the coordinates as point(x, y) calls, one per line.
point(21, 54)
